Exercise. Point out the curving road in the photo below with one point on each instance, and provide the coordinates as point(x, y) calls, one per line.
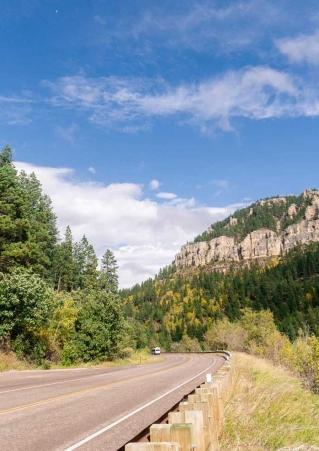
point(93, 409)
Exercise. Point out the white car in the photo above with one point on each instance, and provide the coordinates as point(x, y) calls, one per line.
point(156, 351)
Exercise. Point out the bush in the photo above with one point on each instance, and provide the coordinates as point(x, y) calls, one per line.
point(186, 344)
point(25, 307)
point(256, 333)
point(304, 359)
point(70, 354)
point(226, 335)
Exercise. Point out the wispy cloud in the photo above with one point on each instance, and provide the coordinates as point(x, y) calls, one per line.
point(253, 93)
point(208, 26)
point(301, 49)
point(16, 110)
point(131, 105)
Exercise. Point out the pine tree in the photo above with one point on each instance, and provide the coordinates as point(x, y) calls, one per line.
point(85, 264)
point(42, 221)
point(108, 278)
point(6, 156)
point(27, 223)
point(64, 263)
point(14, 227)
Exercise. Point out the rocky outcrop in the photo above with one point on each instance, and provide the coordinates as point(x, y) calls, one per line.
point(292, 210)
point(223, 251)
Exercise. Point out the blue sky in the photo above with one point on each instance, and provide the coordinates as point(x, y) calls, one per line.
point(216, 102)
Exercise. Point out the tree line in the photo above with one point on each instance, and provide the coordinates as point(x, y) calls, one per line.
point(56, 302)
point(172, 306)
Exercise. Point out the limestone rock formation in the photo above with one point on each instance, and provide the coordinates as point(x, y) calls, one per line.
point(292, 210)
point(262, 244)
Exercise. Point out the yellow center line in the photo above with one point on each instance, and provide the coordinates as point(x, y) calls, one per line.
point(87, 390)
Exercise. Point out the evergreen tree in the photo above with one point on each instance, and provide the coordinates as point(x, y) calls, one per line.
point(42, 223)
point(85, 265)
point(27, 223)
point(6, 156)
point(14, 226)
point(64, 263)
point(108, 278)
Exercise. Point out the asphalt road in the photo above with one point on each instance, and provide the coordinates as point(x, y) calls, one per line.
point(93, 409)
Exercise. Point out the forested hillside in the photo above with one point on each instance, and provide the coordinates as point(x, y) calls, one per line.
point(275, 214)
point(271, 311)
point(55, 303)
point(172, 305)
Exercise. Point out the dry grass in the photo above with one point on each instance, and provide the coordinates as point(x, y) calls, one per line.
point(269, 410)
point(138, 357)
point(9, 361)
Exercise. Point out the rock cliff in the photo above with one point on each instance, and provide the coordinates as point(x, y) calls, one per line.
point(221, 252)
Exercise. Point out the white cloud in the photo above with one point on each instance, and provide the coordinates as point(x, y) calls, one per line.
point(15, 110)
point(154, 184)
point(144, 234)
point(166, 196)
point(131, 105)
point(301, 49)
point(253, 93)
point(92, 170)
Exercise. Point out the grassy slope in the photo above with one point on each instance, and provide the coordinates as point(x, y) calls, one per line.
point(9, 361)
point(269, 409)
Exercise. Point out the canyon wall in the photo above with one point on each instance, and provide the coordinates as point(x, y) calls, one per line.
point(223, 251)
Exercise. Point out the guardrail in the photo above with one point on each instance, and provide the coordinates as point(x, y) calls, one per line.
point(197, 422)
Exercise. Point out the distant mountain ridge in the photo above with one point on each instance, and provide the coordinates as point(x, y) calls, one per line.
point(266, 229)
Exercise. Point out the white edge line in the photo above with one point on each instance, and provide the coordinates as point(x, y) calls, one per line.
point(134, 412)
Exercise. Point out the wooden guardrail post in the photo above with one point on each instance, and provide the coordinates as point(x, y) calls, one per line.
point(160, 433)
point(182, 434)
point(195, 418)
point(177, 432)
point(204, 408)
point(214, 418)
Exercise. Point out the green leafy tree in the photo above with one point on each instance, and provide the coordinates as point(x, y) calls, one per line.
point(25, 308)
point(99, 326)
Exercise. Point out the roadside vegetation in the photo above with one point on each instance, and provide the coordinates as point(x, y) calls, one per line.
point(256, 333)
point(269, 409)
point(271, 311)
point(57, 306)
point(10, 362)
